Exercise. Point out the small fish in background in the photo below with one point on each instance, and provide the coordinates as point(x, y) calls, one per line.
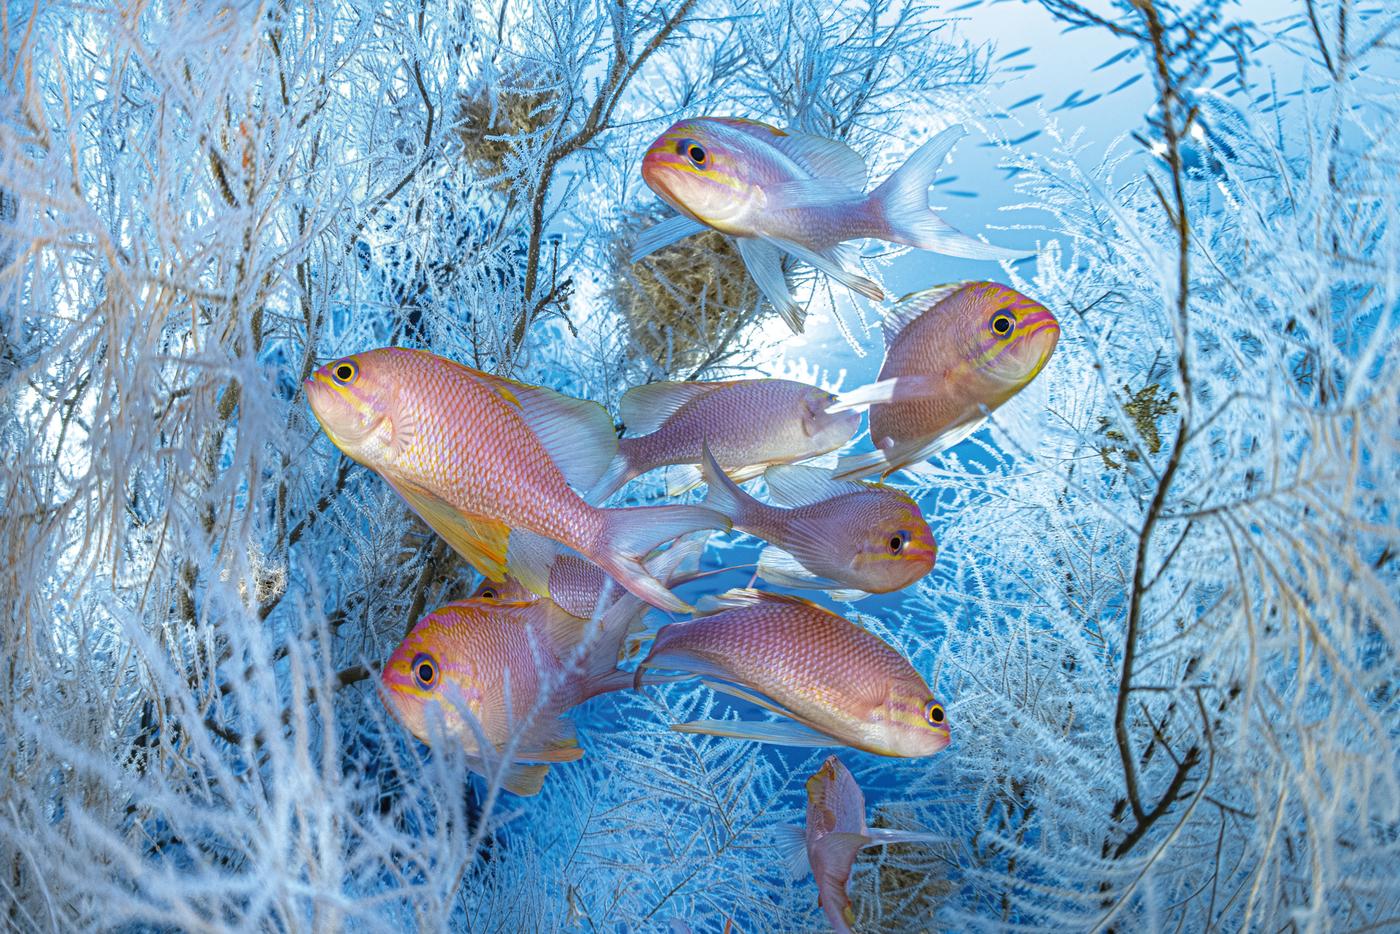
point(836, 831)
point(577, 584)
point(835, 683)
point(492, 466)
point(952, 354)
point(852, 539)
point(496, 661)
point(750, 425)
point(779, 192)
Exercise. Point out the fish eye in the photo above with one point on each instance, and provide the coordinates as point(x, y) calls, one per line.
point(898, 540)
point(933, 713)
point(488, 594)
point(1002, 323)
point(693, 151)
point(344, 372)
point(425, 672)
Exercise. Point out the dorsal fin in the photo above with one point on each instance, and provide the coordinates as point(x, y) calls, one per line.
point(800, 485)
point(755, 128)
point(577, 434)
point(825, 158)
point(603, 636)
point(913, 305)
point(645, 408)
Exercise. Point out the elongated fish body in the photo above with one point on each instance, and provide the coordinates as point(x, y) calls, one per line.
point(749, 425)
point(496, 661)
point(849, 538)
point(835, 832)
point(489, 462)
point(779, 192)
point(835, 682)
point(953, 353)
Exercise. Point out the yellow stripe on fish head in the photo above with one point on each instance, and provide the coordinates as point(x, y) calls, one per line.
point(697, 167)
point(353, 400)
point(424, 671)
point(1010, 337)
point(899, 547)
point(911, 722)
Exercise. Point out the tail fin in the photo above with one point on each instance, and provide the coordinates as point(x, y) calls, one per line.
point(858, 466)
point(633, 534)
point(902, 199)
point(613, 479)
point(724, 496)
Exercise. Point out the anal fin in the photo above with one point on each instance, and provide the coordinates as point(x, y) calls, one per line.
point(483, 542)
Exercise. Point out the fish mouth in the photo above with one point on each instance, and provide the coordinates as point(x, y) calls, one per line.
point(340, 419)
point(654, 172)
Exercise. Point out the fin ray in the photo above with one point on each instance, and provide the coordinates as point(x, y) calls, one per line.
point(664, 233)
point(764, 264)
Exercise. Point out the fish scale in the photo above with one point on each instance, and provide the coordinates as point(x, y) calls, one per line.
point(462, 433)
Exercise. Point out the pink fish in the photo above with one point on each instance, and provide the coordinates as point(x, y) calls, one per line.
point(776, 192)
point(834, 682)
point(496, 662)
point(488, 463)
point(749, 424)
point(952, 354)
point(850, 538)
point(836, 831)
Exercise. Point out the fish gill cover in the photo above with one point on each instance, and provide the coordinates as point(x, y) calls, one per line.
point(1164, 612)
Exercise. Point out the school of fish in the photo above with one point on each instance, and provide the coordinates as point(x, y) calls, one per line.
point(516, 478)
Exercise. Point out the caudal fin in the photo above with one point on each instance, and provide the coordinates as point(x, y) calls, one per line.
point(614, 477)
point(723, 495)
point(902, 199)
point(633, 534)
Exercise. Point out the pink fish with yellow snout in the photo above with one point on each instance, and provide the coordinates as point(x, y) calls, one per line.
point(852, 539)
point(836, 831)
point(493, 465)
point(833, 682)
point(952, 355)
point(513, 669)
point(776, 191)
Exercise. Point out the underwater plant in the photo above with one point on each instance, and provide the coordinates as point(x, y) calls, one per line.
point(1163, 619)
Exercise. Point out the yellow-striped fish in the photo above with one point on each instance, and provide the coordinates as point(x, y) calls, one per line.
point(749, 424)
point(836, 831)
point(775, 192)
point(833, 682)
point(495, 663)
point(952, 354)
point(488, 462)
point(852, 539)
